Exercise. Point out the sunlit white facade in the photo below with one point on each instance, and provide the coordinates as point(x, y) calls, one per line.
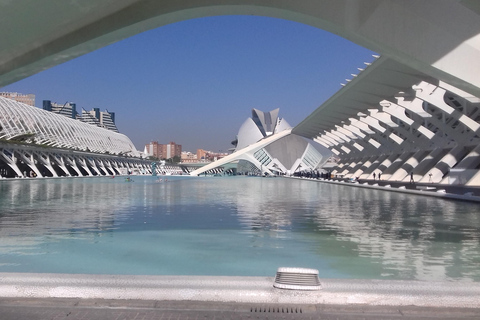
point(19, 121)
point(265, 145)
point(398, 122)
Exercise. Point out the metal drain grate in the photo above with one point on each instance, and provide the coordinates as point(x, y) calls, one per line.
point(276, 309)
point(297, 279)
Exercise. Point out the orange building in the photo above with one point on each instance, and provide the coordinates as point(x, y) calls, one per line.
point(163, 151)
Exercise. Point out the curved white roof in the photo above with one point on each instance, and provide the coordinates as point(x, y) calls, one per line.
point(248, 134)
point(18, 119)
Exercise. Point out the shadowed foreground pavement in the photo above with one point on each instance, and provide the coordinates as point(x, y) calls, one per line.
point(74, 309)
point(114, 297)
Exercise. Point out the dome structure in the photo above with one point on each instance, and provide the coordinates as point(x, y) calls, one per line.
point(265, 144)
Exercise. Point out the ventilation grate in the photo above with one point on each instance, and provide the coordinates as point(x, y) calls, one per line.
point(276, 309)
point(297, 279)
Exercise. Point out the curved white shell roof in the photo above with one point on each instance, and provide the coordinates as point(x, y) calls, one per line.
point(18, 119)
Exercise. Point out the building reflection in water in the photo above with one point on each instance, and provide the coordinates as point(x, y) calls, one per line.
point(382, 234)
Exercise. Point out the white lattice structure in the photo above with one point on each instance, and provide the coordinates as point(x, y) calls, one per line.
point(47, 128)
point(394, 120)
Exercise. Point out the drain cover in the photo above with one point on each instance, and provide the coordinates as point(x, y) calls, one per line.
point(297, 279)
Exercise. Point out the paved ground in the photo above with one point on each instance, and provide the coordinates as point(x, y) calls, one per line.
point(76, 309)
point(446, 191)
point(116, 297)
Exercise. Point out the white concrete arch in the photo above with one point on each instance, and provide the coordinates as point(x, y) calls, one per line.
point(38, 34)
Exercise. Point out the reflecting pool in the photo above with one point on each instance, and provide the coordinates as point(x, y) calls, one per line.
point(233, 226)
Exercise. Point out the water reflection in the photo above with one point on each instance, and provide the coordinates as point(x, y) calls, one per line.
point(349, 232)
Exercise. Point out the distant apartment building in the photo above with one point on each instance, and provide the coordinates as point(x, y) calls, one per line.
point(91, 117)
point(163, 151)
point(102, 119)
point(68, 109)
point(172, 149)
point(153, 149)
point(19, 97)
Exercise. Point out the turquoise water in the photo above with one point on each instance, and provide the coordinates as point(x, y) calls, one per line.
point(233, 226)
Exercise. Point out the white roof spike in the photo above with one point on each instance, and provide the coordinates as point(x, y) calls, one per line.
point(354, 75)
point(360, 69)
point(376, 56)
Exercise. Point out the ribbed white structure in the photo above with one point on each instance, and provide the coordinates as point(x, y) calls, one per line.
point(395, 121)
point(18, 119)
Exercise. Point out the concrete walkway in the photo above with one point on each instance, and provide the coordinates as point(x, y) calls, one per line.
point(62, 296)
point(81, 309)
point(446, 191)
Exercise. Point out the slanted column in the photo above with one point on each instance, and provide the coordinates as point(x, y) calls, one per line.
point(11, 160)
point(115, 167)
point(403, 173)
point(46, 162)
point(362, 165)
point(369, 167)
point(347, 169)
point(471, 161)
point(73, 164)
point(93, 165)
point(444, 165)
point(389, 165)
point(469, 166)
point(60, 161)
point(427, 163)
point(101, 166)
point(109, 165)
point(83, 163)
point(30, 161)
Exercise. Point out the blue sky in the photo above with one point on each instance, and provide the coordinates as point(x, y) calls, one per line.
point(195, 82)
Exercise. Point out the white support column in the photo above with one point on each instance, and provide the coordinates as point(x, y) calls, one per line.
point(369, 167)
point(73, 164)
point(44, 159)
point(109, 165)
point(11, 160)
point(93, 165)
point(444, 165)
point(83, 163)
point(385, 165)
point(403, 173)
point(100, 166)
point(29, 161)
point(60, 161)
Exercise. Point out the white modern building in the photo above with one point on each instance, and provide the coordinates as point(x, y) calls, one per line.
point(413, 112)
point(49, 144)
point(396, 121)
point(20, 120)
point(265, 145)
